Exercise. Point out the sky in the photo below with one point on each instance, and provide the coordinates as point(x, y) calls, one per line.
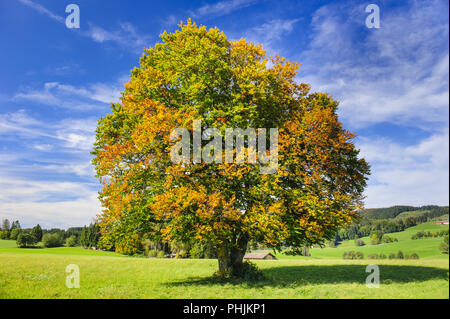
point(55, 83)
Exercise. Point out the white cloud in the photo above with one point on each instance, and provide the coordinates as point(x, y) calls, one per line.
point(221, 8)
point(41, 9)
point(398, 73)
point(126, 35)
point(69, 133)
point(414, 175)
point(50, 182)
point(23, 202)
point(271, 31)
point(91, 96)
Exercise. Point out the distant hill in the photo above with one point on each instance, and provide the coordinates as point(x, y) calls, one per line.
point(432, 211)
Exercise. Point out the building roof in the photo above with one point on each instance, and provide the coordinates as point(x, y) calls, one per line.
point(257, 255)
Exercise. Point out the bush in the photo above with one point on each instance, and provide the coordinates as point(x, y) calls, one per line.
point(388, 239)
point(160, 254)
point(375, 239)
point(372, 256)
point(182, 254)
point(152, 253)
point(400, 255)
point(197, 251)
point(353, 255)
point(359, 242)
point(392, 256)
point(71, 241)
point(443, 247)
point(414, 256)
point(52, 240)
point(248, 272)
point(332, 243)
point(202, 250)
point(25, 239)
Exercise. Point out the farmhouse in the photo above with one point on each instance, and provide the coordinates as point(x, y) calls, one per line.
point(266, 256)
point(443, 222)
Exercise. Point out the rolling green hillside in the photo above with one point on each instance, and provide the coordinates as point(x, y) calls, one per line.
point(425, 248)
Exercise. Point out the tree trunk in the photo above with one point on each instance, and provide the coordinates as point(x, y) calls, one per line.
point(230, 257)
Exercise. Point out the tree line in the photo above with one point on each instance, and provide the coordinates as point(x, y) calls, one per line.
point(86, 236)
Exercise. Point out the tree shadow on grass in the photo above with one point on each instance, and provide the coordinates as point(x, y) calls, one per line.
point(293, 276)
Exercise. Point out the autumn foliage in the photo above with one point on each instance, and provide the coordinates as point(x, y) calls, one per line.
point(198, 74)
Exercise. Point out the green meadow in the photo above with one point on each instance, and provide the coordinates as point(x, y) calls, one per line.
point(41, 273)
point(425, 247)
point(24, 275)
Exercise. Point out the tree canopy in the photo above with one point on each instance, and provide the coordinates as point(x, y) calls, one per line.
point(198, 74)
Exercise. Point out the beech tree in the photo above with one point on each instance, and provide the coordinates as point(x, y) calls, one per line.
point(196, 74)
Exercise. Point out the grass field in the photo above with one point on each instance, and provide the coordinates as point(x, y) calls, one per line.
point(40, 273)
point(43, 276)
point(425, 248)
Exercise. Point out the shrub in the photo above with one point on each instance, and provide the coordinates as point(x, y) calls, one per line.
point(52, 240)
point(353, 255)
point(160, 254)
point(202, 250)
point(392, 256)
point(152, 253)
point(400, 255)
point(197, 251)
point(414, 256)
point(25, 239)
point(359, 242)
point(181, 254)
point(332, 243)
point(71, 241)
point(387, 239)
point(382, 256)
point(248, 272)
point(444, 246)
point(375, 239)
point(372, 256)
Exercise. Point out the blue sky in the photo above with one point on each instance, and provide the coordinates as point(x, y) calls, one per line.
point(55, 83)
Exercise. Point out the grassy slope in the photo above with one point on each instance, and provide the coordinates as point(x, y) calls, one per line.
point(25, 275)
point(425, 248)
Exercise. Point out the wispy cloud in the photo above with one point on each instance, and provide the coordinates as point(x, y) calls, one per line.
point(221, 8)
point(47, 203)
point(269, 33)
point(45, 172)
point(414, 174)
point(91, 96)
point(41, 9)
point(126, 35)
point(398, 73)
